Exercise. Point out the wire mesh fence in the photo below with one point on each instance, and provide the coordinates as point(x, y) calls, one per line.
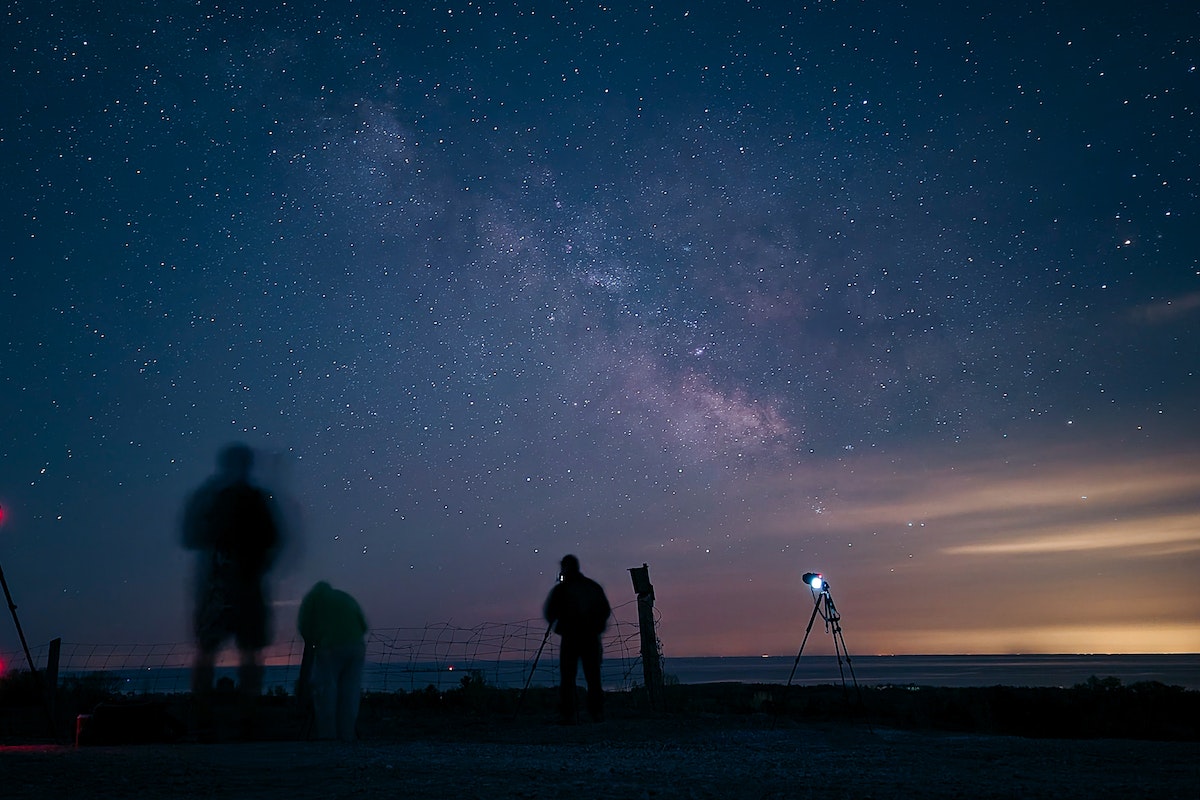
point(441, 655)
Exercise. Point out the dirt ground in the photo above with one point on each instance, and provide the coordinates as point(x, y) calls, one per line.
point(676, 756)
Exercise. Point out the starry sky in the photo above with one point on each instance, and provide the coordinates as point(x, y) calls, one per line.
point(904, 293)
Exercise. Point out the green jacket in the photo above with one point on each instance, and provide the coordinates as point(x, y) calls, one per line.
point(330, 617)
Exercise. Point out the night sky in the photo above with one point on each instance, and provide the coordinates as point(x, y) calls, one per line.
point(905, 293)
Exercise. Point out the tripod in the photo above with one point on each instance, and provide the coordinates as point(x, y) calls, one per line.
point(12, 607)
point(824, 606)
point(39, 678)
point(533, 669)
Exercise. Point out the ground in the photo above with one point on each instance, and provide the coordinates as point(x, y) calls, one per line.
point(631, 755)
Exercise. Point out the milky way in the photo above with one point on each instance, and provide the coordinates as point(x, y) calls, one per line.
point(908, 295)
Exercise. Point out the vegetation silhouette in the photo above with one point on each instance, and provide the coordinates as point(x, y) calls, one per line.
point(1097, 708)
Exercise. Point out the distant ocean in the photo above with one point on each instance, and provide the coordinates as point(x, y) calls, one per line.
point(1022, 670)
point(951, 671)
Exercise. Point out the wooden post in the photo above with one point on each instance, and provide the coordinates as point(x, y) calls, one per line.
point(651, 662)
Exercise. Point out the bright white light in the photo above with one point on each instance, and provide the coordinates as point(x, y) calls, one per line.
point(816, 583)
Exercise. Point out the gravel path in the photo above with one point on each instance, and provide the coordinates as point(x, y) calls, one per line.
point(705, 758)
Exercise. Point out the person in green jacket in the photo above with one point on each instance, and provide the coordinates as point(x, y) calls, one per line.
point(334, 630)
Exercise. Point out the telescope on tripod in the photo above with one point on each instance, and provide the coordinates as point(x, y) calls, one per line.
point(824, 606)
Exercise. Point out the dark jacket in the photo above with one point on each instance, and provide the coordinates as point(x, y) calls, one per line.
point(577, 606)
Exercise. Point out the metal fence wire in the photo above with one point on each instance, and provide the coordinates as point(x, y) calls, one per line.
point(408, 659)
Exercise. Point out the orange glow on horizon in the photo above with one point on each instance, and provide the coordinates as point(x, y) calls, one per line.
point(1051, 551)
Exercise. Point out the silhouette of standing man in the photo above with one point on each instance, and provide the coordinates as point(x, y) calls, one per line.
point(578, 610)
point(233, 526)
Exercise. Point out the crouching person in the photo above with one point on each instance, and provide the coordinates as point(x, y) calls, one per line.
point(334, 630)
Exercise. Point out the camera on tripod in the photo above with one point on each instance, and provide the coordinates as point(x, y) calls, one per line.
point(816, 581)
point(823, 607)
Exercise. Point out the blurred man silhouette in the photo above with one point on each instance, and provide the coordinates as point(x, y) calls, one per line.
point(578, 610)
point(333, 626)
point(233, 526)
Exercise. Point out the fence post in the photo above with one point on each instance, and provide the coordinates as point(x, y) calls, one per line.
point(651, 662)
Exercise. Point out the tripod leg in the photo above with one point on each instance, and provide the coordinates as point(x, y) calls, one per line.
point(533, 669)
point(839, 650)
point(807, 631)
point(849, 664)
point(839, 646)
point(38, 677)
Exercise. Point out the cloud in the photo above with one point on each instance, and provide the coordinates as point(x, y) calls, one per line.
point(1168, 310)
point(1161, 536)
point(1046, 501)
